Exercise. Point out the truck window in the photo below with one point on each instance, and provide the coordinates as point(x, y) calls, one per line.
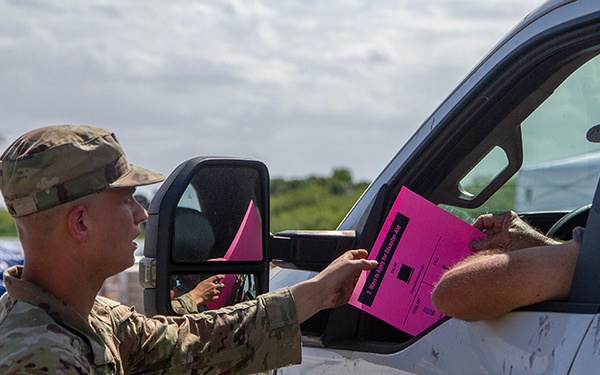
point(560, 166)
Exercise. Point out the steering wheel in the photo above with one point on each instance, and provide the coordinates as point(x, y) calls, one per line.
point(563, 228)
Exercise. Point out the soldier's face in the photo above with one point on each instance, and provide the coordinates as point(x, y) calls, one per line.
point(116, 218)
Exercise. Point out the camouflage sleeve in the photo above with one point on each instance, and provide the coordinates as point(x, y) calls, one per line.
point(49, 356)
point(45, 348)
point(184, 304)
point(246, 338)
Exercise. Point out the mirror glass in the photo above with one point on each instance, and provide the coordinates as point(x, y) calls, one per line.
point(198, 292)
point(217, 217)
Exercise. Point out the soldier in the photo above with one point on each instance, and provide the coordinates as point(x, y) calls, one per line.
point(70, 190)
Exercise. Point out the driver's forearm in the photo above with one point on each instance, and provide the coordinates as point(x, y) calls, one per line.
point(489, 286)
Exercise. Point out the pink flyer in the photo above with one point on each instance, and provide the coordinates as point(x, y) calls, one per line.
point(247, 245)
point(417, 242)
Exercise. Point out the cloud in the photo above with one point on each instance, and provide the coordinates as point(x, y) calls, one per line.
point(304, 86)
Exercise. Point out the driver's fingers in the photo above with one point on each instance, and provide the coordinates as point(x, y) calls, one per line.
point(494, 223)
point(482, 221)
point(491, 242)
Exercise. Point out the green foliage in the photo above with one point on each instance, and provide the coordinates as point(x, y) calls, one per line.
point(7, 225)
point(322, 202)
point(313, 203)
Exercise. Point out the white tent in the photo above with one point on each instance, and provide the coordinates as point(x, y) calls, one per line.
point(564, 184)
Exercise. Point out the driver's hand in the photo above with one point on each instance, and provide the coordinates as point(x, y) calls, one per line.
point(507, 232)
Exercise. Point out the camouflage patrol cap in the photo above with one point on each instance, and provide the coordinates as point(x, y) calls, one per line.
point(53, 165)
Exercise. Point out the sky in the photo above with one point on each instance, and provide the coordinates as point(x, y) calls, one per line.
point(304, 86)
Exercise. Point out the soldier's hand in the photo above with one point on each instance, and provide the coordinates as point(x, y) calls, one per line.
point(208, 289)
point(507, 232)
point(333, 286)
point(340, 277)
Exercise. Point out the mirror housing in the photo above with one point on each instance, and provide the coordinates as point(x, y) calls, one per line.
point(206, 213)
point(219, 190)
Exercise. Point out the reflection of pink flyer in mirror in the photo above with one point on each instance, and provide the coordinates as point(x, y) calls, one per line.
point(417, 242)
point(247, 245)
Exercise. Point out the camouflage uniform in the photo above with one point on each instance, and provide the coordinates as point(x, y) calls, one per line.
point(50, 166)
point(40, 334)
point(184, 304)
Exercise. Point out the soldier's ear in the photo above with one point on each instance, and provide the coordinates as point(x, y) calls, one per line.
point(78, 223)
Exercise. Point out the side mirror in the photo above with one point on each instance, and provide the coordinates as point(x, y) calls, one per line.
point(208, 221)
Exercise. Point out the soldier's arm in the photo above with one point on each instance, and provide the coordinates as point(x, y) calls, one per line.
point(249, 337)
point(184, 304)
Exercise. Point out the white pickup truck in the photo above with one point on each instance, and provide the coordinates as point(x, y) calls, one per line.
point(531, 100)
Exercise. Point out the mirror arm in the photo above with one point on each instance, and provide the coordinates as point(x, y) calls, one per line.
point(309, 250)
point(279, 248)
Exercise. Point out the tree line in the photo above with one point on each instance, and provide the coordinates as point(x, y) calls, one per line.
point(315, 202)
point(309, 203)
point(321, 202)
